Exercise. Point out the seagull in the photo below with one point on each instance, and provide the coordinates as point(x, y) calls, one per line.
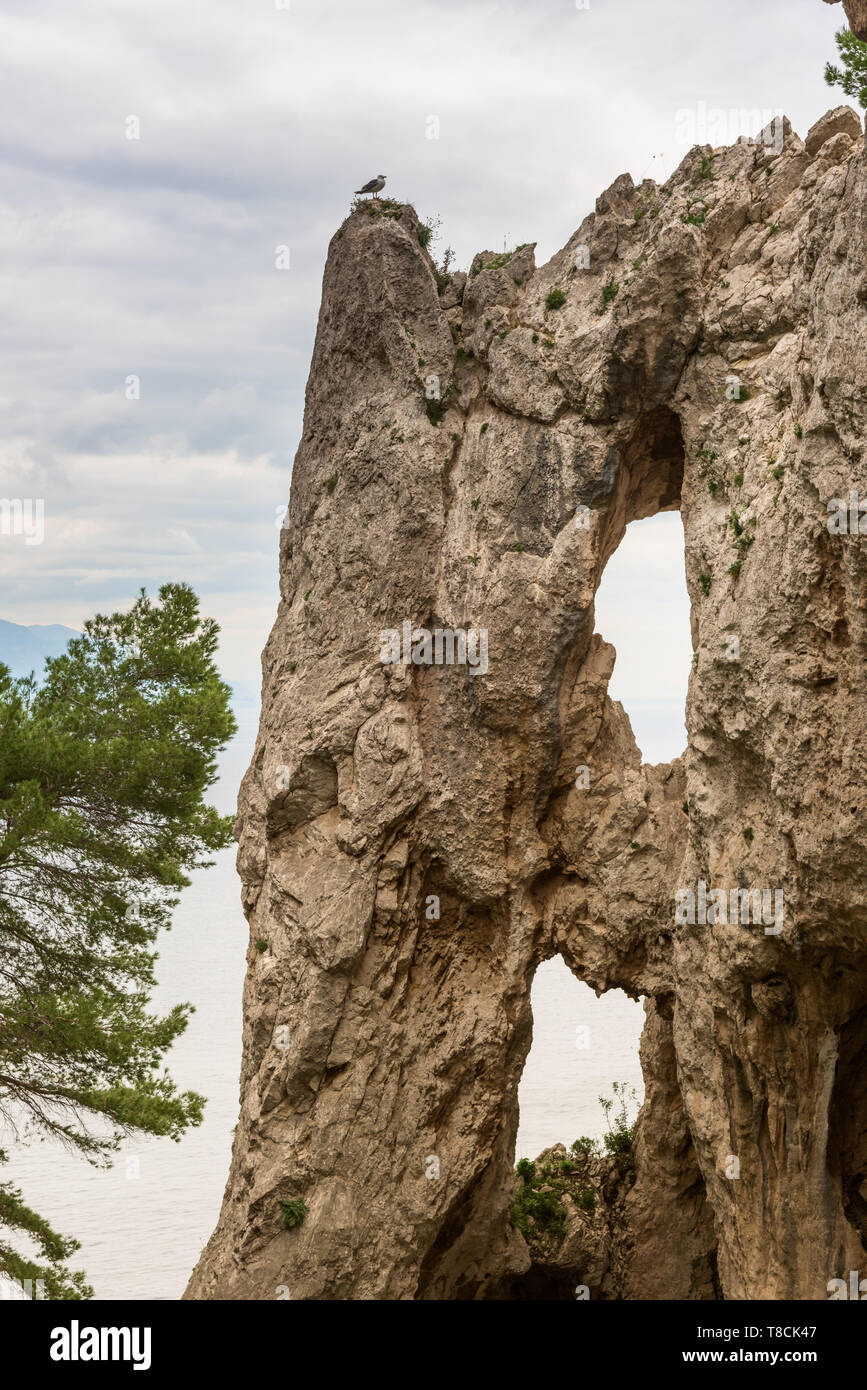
point(374, 186)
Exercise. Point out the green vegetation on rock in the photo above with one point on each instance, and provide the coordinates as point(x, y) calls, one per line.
point(580, 1175)
point(292, 1213)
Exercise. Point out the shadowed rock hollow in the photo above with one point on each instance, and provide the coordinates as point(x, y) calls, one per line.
point(416, 838)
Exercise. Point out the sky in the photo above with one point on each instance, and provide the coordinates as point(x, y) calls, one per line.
point(153, 356)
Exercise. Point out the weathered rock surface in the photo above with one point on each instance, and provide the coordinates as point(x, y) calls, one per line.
point(416, 838)
point(856, 13)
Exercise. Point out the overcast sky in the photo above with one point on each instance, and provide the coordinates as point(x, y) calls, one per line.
point(154, 257)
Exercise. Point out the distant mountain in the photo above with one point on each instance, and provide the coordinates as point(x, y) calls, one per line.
point(24, 649)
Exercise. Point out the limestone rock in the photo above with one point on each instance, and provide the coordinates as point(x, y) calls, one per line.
point(841, 121)
point(856, 13)
point(415, 836)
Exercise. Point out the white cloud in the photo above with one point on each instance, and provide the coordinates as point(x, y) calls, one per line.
point(155, 256)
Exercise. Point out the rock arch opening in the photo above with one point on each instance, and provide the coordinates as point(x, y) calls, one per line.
point(586, 1027)
point(582, 1044)
point(643, 610)
point(572, 1183)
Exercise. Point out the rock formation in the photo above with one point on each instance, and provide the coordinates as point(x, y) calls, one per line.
point(856, 13)
point(416, 836)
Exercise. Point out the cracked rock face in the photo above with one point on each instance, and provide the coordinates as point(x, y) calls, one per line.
point(417, 835)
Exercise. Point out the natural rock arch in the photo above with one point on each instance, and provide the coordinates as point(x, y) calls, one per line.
point(407, 783)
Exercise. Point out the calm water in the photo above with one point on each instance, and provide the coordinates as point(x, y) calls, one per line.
point(143, 1222)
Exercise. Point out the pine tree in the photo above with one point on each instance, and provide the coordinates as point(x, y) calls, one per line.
point(853, 76)
point(103, 771)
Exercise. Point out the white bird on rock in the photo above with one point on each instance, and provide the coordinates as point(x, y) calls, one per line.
point(374, 186)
